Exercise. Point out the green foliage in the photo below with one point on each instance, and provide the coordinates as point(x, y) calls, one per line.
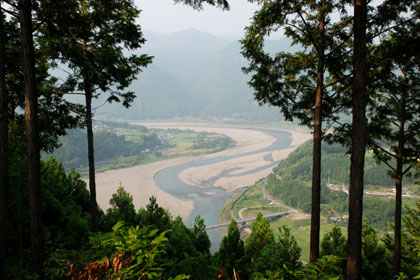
point(105, 29)
point(181, 242)
point(291, 182)
point(186, 253)
point(155, 216)
point(231, 252)
point(409, 253)
point(289, 80)
point(374, 261)
point(334, 244)
point(64, 206)
point(198, 4)
point(108, 145)
point(261, 236)
point(277, 255)
point(65, 212)
point(412, 220)
point(206, 140)
point(409, 242)
point(138, 249)
point(201, 239)
point(54, 111)
point(122, 209)
point(325, 268)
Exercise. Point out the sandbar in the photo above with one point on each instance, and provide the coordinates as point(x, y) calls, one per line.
point(139, 181)
point(228, 173)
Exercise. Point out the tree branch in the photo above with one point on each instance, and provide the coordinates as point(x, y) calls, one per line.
point(9, 12)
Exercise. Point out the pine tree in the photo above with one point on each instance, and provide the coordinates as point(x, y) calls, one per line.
point(394, 119)
point(201, 239)
point(122, 209)
point(231, 251)
point(261, 236)
point(89, 38)
point(303, 84)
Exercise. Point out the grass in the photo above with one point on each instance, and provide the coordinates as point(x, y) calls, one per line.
point(253, 203)
point(253, 211)
point(179, 146)
point(301, 230)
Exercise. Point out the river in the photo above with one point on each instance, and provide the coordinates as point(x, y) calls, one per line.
point(208, 200)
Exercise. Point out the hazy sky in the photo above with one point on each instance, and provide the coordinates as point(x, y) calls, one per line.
point(165, 17)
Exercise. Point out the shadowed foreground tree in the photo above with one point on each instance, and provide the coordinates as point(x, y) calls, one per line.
point(90, 38)
point(357, 160)
point(3, 152)
point(304, 83)
point(32, 134)
point(395, 115)
point(383, 18)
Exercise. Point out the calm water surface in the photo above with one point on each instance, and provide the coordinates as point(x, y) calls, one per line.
point(208, 200)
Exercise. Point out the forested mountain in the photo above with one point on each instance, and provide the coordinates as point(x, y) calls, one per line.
point(194, 74)
point(291, 183)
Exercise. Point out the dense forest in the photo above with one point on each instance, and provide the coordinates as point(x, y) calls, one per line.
point(292, 178)
point(117, 141)
point(356, 59)
point(108, 144)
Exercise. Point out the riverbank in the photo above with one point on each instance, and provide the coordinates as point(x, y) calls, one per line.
point(238, 172)
point(139, 180)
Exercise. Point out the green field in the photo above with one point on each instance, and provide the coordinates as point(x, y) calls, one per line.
point(178, 143)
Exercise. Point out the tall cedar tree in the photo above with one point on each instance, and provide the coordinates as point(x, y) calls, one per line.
point(32, 134)
point(301, 83)
point(385, 17)
point(357, 159)
point(47, 114)
point(89, 37)
point(3, 152)
point(394, 116)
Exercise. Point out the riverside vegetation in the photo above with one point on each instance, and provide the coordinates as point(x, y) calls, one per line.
point(355, 75)
point(290, 184)
point(149, 243)
point(120, 145)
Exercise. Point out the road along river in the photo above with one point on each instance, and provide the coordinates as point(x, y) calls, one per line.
point(208, 181)
point(202, 185)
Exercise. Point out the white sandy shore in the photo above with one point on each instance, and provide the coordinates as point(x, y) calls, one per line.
point(243, 165)
point(140, 183)
point(139, 180)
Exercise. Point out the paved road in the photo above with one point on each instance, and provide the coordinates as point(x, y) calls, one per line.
point(279, 203)
point(268, 216)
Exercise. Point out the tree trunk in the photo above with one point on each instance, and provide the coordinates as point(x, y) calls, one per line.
point(354, 267)
point(32, 135)
point(3, 155)
point(91, 157)
point(316, 155)
point(398, 188)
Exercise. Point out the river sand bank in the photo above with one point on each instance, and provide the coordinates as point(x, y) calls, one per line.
point(237, 173)
point(139, 180)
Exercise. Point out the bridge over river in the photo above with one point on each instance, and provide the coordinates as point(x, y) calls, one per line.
point(243, 221)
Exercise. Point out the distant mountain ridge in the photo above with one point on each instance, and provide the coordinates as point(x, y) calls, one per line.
point(193, 74)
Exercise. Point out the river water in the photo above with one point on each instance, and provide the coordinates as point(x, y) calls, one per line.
point(208, 200)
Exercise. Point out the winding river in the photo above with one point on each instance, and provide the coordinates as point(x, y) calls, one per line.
point(208, 200)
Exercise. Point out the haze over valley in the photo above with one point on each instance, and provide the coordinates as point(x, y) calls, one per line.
point(194, 75)
point(209, 139)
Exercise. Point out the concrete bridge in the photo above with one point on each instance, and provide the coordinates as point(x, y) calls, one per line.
point(243, 221)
